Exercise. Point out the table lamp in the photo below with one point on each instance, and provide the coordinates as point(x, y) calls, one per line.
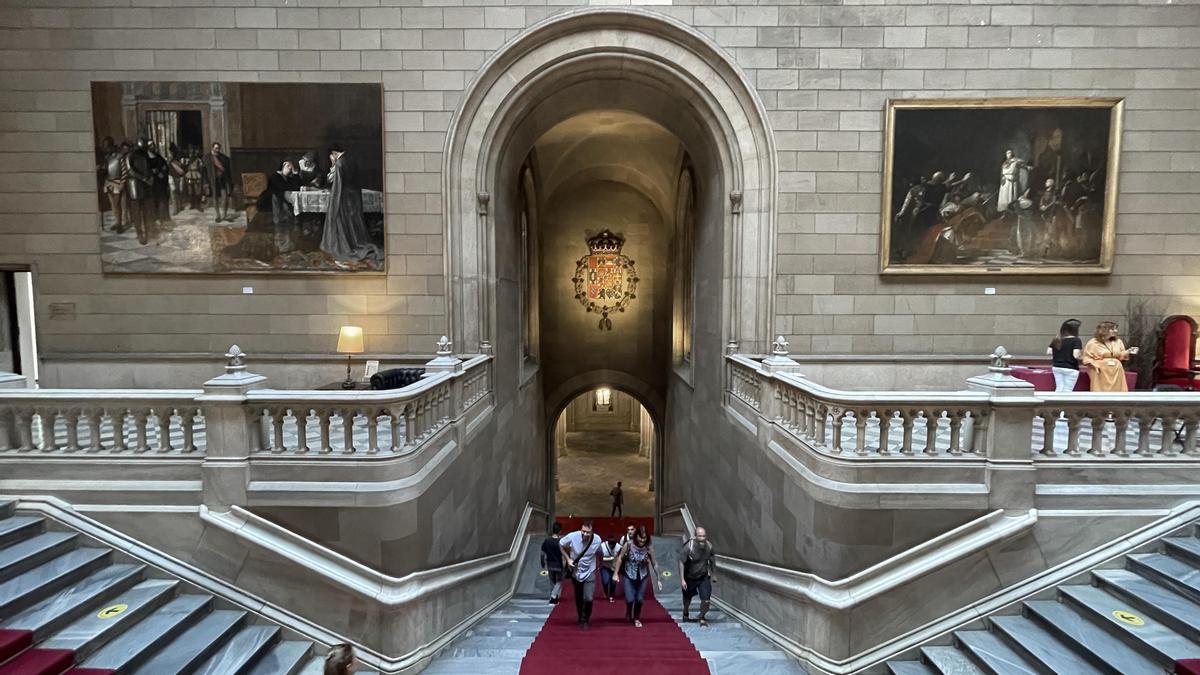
point(350, 341)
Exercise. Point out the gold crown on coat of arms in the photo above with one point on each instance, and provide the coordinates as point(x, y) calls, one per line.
point(605, 242)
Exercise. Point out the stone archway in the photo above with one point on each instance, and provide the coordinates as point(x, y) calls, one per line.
point(659, 54)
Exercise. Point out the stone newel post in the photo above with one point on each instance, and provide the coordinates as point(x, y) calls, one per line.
point(233, 430)
point(1007, 431)
point(778, 362)
point(447, 362)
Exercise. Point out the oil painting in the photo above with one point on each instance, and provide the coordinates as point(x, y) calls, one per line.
point(1000, 186)
point(228, 177)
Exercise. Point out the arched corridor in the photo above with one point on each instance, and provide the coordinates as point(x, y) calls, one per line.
point(604, 436)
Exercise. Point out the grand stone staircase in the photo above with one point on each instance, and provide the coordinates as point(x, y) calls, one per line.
point(1139, 617)
point(70, 606)
point(496, 645)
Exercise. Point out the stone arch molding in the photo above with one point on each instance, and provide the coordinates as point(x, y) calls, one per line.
point(556, 50)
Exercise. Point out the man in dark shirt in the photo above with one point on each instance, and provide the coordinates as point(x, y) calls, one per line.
point(697, 567)
point(552, 562)
point(618, 500)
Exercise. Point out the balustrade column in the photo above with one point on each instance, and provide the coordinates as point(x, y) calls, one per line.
point(234, 430)
point(1008, 422)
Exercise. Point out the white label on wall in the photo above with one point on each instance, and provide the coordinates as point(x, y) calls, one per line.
point(989, 291)
point(247, 290)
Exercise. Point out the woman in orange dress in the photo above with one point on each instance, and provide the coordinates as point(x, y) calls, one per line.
point(1103, 355)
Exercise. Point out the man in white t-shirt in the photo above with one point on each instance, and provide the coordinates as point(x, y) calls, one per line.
point(580, 550)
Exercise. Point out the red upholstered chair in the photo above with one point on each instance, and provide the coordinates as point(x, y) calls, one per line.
point(1175, 362)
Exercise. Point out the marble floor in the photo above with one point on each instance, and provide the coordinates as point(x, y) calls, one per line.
point(593, 464)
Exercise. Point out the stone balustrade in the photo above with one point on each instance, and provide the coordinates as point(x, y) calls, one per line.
point(101, 421)
point(854, 424)
point(181, 422)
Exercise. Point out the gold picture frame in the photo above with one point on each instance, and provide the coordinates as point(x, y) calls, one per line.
point(1047, 206)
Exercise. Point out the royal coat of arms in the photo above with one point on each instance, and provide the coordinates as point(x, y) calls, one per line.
point(605, 280)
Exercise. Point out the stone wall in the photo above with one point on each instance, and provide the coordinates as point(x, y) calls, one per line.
point(823, 72)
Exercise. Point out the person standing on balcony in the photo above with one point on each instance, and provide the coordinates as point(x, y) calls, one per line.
point(552, 561)
point(1103, 355)
point(1065, 350)
point(635, 568)
point(579, 551)
point(618, 497)
point(697, 571)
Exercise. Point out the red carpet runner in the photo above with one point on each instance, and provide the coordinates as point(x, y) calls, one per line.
point(606, 526)
point(612, 646)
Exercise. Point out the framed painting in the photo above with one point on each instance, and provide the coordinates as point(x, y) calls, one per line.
point(239, 177)
point(1000, 186)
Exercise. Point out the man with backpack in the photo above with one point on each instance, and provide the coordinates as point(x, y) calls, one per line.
point(580, 550)
point(697, 569)
point(552, 561)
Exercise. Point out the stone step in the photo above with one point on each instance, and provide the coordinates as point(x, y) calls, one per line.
point(86, 634)
point(16, 528)
point(758, 663)
point(1088, 638)
point(285, 658)
point(240, 651)
point(1040, 647)
point(25, 554)
point(28, 588)
point(195, 644)
point(993, 654)
point(7, 508)
point(68, 604)
point(949, 661)
point(1184, 548)
point(1156, 600)
point(473, 666)
point(1168, 571)
point(1149, 636)
point(909, 668)
point(140, 641)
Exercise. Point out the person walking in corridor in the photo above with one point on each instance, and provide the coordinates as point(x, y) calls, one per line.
point(618, 497)
point(552, 561)
point(580, 550)
point(635, 568)
point(697, 571)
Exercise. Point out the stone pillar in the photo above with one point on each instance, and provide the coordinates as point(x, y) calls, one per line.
point(651, 442)
point(560, 434)
point(233, 430)
point(446, 362)
point(645, 433)
point(1008, 434)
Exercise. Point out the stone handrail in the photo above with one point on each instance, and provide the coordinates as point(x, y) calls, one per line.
point(997, 410)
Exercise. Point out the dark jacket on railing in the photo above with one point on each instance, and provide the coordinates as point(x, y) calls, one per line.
point(396, 378)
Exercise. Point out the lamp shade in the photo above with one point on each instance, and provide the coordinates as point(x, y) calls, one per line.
point(350, 340)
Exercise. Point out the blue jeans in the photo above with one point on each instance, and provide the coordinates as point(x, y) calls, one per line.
point(607, 583)
point(635, 591)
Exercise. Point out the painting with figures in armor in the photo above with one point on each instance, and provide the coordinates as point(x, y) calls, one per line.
point(1000, 186)
point(238, 177)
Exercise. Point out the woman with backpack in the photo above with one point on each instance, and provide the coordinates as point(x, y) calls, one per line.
point(635, 566)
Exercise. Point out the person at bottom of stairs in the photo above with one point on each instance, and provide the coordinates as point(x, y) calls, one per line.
point(339, 660)
point(635, 567)
point(552, 562)
point(697, 572)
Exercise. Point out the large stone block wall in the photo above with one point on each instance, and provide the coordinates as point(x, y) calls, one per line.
point(823, 72)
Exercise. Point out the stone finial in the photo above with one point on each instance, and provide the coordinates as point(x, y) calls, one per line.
point(236, 360)
point(485, 347)
point(731, 347)
point(999, 361)
point(735, 201)
point(444, 346)
point(780, 346)
point(482, 199)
